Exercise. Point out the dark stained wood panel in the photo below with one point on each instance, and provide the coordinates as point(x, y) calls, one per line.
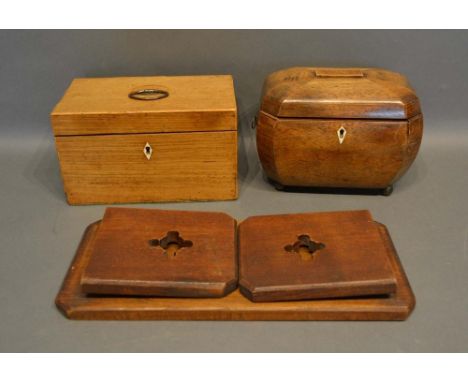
point(76, 305)
point(364, 93)
point(155, 252)
point(330, 128)
point(313, 255)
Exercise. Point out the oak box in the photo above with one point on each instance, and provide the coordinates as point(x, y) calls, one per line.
point(147, 139)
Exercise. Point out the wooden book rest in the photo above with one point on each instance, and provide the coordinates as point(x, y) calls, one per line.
point(75, 304)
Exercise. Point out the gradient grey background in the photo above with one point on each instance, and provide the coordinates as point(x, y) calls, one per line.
point(427, 214)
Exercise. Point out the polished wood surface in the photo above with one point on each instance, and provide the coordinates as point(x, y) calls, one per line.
point(151, 252)
point(308, 153)
point(338, 128)
point(183, 166)
point(190, 133)
point(364, 93)
point(76, 305)
point(313, 255)
point(103, 106)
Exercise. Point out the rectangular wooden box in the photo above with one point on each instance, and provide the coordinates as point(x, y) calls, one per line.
point(177, 141)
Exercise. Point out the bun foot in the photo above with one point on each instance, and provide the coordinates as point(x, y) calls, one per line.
point(277, 185)
point(387, 191)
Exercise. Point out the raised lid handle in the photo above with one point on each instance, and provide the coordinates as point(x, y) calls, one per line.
point(148, 94)
point(337, 73)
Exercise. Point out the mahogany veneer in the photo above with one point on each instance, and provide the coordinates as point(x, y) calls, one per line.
point(357, 128)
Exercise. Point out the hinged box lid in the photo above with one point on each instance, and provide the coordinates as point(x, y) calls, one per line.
point(365, 93)
point(124, 105)
point(312, 256)
point(162, 253)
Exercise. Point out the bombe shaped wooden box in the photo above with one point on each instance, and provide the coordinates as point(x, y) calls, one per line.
point(357, 128)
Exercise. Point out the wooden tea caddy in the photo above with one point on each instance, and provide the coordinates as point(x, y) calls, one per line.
point(147, 139)
point(338, 128)
point(196, 274)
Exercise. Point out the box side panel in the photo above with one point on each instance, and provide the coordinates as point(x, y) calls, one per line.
point(265, 144)
point(181, 167)
point(339, 153)
point(415, 133)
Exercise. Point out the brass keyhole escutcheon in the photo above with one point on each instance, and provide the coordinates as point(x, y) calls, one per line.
point(305, 247)
point(171, 243)
point(148, 94)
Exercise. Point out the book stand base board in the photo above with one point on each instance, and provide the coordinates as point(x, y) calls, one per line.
point(77, 305)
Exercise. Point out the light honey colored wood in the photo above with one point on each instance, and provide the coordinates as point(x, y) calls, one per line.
point(183, 166)
point(103, 106)
point(77, 305)
point(100, 134)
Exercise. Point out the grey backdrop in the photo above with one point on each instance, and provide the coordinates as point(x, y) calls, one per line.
point(427, 214)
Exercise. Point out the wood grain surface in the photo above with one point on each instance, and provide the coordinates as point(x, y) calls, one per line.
point(183, 166)
point(131, 257)
point(101, 134)
point(76, 305)
point(102, 106)
point(307, 152)
point(363, 93)
point(303, 111)
point(349, 257)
